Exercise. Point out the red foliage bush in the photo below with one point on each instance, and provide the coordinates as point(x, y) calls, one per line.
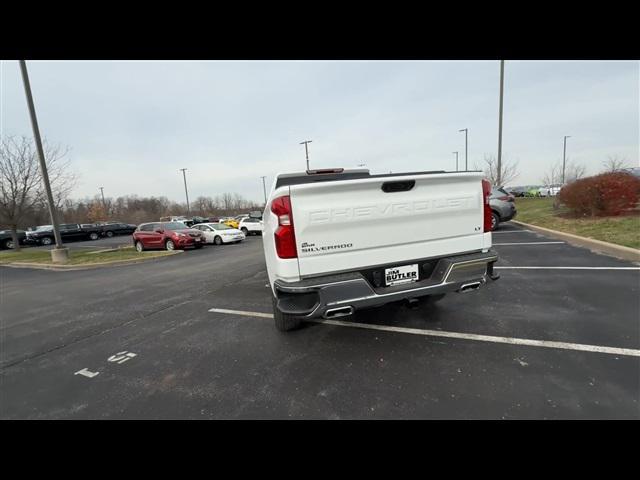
point(607, 194)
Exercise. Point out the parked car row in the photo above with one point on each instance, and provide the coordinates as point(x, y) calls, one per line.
point(177, 235)
point(535, 191)
point(43, 234)
point(173, 235)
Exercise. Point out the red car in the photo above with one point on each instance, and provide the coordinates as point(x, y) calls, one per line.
point(169, 235)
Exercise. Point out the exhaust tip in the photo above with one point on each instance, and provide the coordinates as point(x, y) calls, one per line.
point(467, 287)
point(338, 312)
point(412, 302)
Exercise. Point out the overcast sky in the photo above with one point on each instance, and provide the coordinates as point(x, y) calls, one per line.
point(131, 125)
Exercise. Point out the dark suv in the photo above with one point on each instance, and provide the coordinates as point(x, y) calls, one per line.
point(116, 228)
point(168, 235)
point(68, 231)
point(6, 239)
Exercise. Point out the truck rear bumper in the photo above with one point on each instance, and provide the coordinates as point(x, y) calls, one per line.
point(338, 295)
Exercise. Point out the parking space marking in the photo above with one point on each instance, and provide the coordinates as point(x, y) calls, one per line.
point(122, 357)
point(86, 373)
point(464, 336)
point(241, 312)
point(566, 268)
point(529, 243)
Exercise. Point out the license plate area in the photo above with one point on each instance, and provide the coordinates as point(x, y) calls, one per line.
point(401, 275)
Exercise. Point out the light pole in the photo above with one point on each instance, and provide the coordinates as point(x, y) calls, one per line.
point(456, 160)
point(564, 156)
point(466, 150)
point(104, 204)
point(306, 150)
point(264, 189)
point(59, 254)
point(186, 193)
point(499, 174)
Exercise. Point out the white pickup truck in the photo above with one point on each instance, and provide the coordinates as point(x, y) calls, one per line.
point(340, 240)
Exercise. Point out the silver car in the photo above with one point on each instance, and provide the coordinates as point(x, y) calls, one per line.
point(503, 207)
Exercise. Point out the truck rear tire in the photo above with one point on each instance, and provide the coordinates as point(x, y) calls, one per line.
point(284, 322)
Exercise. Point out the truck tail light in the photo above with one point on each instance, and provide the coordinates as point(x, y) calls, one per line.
point(285, 236)
point(486, 192)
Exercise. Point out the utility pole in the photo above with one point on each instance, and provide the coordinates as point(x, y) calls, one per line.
point(306, 150)
point(184, 176)
point(466, 149)
point(104, 204)
point(564, 156)
point(456, 160)
point(264, 189)
point(59, 254)
point(499, 175)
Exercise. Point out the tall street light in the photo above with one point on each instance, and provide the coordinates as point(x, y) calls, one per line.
point(264, 189)
point(186, 193)
point(564, 156)
point(102, 193)
point(59, 254)
point(499, 174)
point(306, 150)
point(466, 149)
point(456, 160)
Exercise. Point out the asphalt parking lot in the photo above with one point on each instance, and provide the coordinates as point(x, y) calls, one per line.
point(190, 337)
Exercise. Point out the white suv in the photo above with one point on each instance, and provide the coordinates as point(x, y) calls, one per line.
point(251, 226)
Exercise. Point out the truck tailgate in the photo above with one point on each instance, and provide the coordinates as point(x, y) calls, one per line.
point(346, 225)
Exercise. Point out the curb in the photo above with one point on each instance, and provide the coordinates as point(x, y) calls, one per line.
point(598, 246)
point(88, 266)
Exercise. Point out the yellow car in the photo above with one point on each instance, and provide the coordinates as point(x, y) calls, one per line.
point(231, 222)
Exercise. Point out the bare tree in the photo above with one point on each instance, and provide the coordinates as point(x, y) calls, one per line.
point(227, 201)
point(21, 186)
point(614, 164)
point(574, 172)
point(508, 173)
point(553, 176)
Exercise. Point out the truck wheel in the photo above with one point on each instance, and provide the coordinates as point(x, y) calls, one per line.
point(46, 241)
point(284, 322)
point(93, 236)
point(8, 243)
point(495, 221)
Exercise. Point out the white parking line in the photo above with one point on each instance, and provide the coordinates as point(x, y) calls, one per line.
point(241, 312)
point(529, 243)
point(464, 336)
point(566, 268)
